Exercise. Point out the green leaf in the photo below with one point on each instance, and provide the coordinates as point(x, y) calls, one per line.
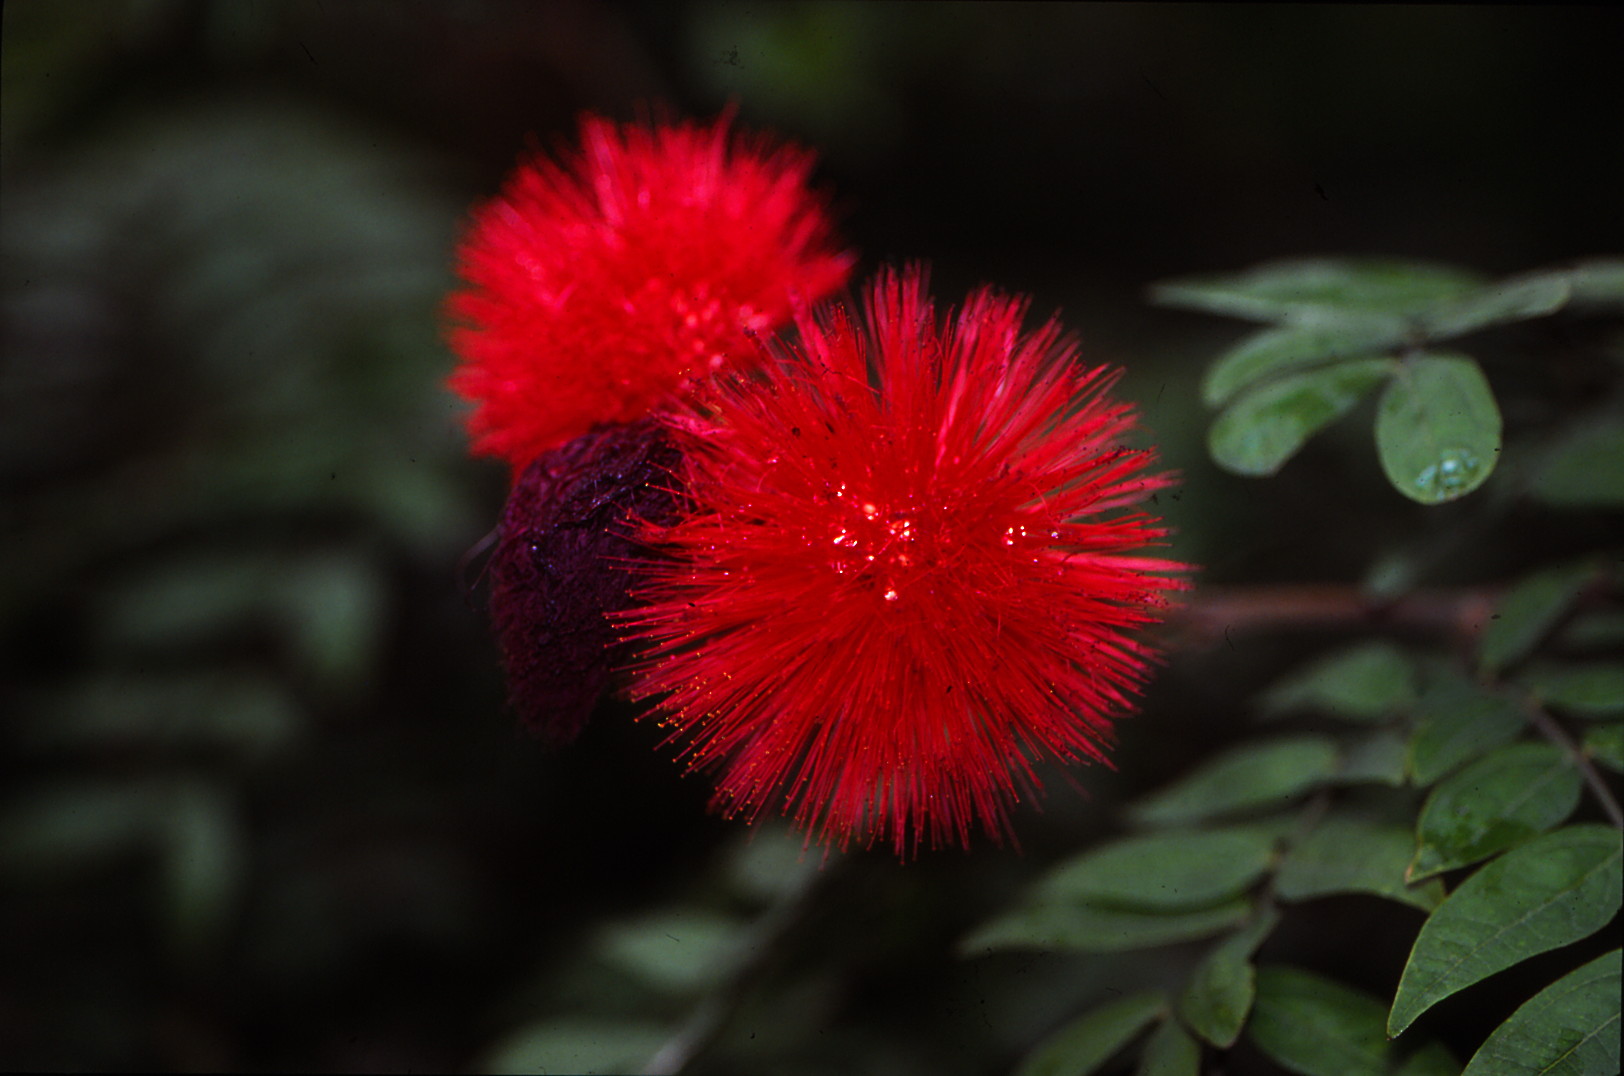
point(1590, 689)
point(1317, 1027)
point(1517, 299)
point(1350, 854)
point(1599, 281)
point(1438, 428)
point(1378, 758)
point(203, 866)
point(1601, 630)
point(1568, 1029)
point(1288, 348)
point(1529, 610)
point(1218, 996)
point(1170, 1051)
point(1321, 289)
point(1087, 928)
point(1605, 744)
point(678, 951)
point(1584, 470)
point(1163, 872)
point(1500, 800)
point(1548, 893)
point(1458, 719)
point(1089, 1041)
point(1366, 682)
point(577, 1044)
point(1268, 774)
point(1265, 426)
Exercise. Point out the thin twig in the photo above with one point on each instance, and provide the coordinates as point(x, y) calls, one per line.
point(1554, 732)
point(709, 1018)
point(1215, 614)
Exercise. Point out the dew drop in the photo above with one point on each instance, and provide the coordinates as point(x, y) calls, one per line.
point(1457, 469)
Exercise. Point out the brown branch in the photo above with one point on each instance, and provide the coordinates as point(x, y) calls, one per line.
point(1216, 615)
point(1551, 730)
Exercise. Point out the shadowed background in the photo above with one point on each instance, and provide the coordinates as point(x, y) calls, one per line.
point(262, 806)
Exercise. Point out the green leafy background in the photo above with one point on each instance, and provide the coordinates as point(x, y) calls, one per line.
point(262, 807)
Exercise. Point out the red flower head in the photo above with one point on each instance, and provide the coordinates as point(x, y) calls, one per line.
point(601, 287)
point(904, 571)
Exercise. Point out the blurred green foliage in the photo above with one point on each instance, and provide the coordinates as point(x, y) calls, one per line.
point(262, 807)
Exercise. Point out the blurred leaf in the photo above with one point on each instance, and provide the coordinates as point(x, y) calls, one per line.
point(203, 868)
point(771, 860)
point(1089, 1041)
point(1529, 610)
point(1602, 630)
point(1377, 758)
point(247, 714)
point(1265, 426)
point(1163, 872)
point(1568, 1029)
point(1599, 281)
point(335, 606)
point(1364, 682)
point(1218, 995)
point(1319, 290)
point(679, 951)
point(1585, 469)
point(52, 831)
point(1458, 719)
point(1501, 800)
point(576, 1044)
point(1592, 689)
point(1317, 1027)
point(1517, 299)
point(1437, 428)
point(1170, 1051)
point(1605, 744)
point(1254, 776)
point(1550, 892)
point(1085, 928)
point(1284, 349)
point(1349, 854)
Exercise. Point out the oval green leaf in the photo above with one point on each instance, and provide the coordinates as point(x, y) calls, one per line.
point(1317, 1027)
point(1265, 426)
point(1584, 470)
point(1592, 689)
point(1350, 854)
point(1288, 348)
point(1548, 893)
point(1170, 1051)
point(1376, 758)
point(1085, 928)
point(1321, 289)
point(1438, 428)
point(1599, 281)
point(1248, 778)
point(1568, 1029)
point(1497, 802)
point(1163, 872)
point(581, 1044)
point(1605, 744)
point(1089, 1041)
point(1517, 299)
point(1527, 612)
point(1218, 996)
point(1366, 682)
point(1458, 719)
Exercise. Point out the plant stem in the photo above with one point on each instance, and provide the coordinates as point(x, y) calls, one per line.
point(1554, 732)
point(709, 1017)
point(1217, 614)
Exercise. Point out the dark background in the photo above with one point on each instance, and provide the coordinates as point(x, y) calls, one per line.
point(262, 807)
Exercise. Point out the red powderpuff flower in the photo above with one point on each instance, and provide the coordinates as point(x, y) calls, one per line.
point(905, 570)
point(604, 285)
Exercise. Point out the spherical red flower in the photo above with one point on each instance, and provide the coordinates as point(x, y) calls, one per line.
point(905, 570)
point(602, 286)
